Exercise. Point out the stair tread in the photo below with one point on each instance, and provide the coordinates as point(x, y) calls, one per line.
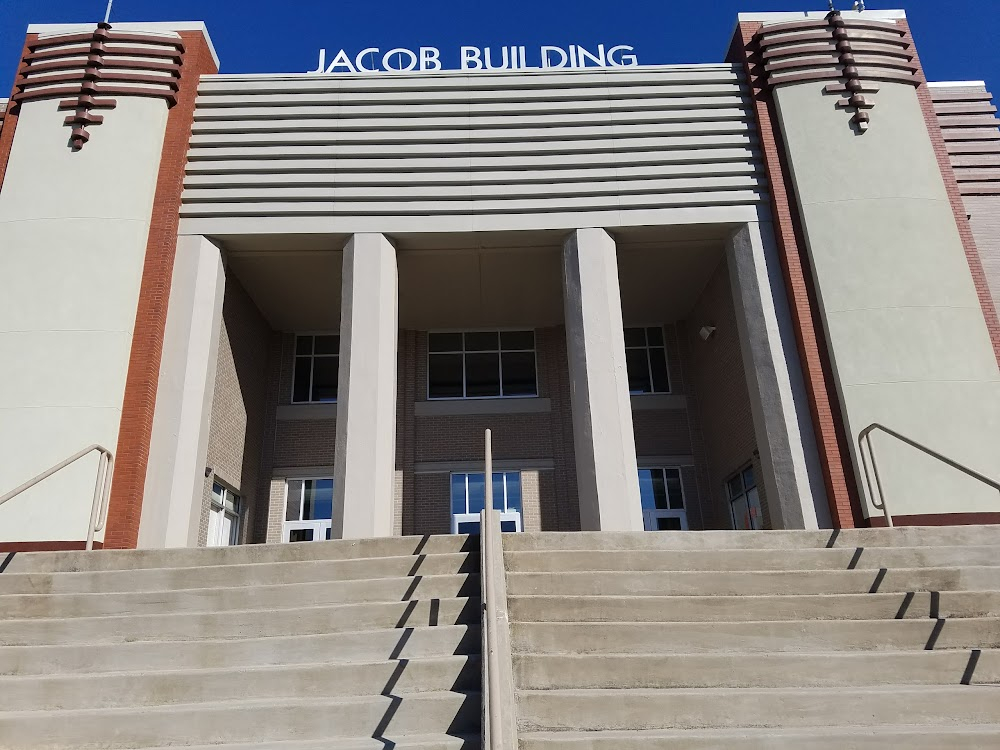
point(804, 732)
point(344, 743)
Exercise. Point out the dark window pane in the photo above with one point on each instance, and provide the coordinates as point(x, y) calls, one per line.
point(327, 345)
point(508, 526)
point(300, 535)
point(458, 494)
point(748, 480)
point(468, 527)
point(654, 336)
point(668, 524)
point(329, 534)
point(292, 508)
point(300, 389)
point(659, 491)
point(325, 373)
point(444, 376)
point(323, 498)
point(519, 374)
point(477, 493)
point(497, 491)
point(517, 339)
point(638, 371)
point(646, 488)
point(658, 365)
point(635, 337)
point(735, 487)
point(303, 344)
point(308, 500)
point(482, 375)
point(513, 490)
point(486, 341)
point(444, 342)
point(675, 494)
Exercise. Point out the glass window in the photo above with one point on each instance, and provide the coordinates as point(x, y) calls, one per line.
point(317, 369)
point(662, 495)
point(661, 489)
point(481, 364)
point(468, 498)
point(646, 360)
point(308, 510)
point(744, 500)
point(224, 517)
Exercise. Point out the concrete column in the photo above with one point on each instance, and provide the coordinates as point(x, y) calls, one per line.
point(175, 479)
point(607, 475)
point(366, 399)
point(786, 439)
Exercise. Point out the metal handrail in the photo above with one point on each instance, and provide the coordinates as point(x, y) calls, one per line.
point(102, 488)
point(864, 437)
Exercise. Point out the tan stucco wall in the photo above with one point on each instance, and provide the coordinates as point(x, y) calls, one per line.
point(908, 340)
point(74, 228)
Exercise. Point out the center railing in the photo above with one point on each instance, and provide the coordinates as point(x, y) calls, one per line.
point(498, 720)
point(102, 488)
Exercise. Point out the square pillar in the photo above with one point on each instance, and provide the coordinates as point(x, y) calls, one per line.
point(607, 474)
point(175, 479)
point(793, 478)
point(364, 468)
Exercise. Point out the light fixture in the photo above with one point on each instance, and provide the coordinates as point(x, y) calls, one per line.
point(706, 332)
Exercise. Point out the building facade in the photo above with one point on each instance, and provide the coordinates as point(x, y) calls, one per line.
point(679, 296)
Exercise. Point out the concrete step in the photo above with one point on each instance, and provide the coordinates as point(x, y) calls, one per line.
point(339, 549)
point(737, 583)
point(802, 636)
point(908, 536)
point(920, 604)
point(255, 623)
point(255, 574)
point(223, 721)
point(843, 558)
point(597, 710)
point(397, 742)
point(147, 688)
point(361, 646)
point(242, 597)
point(758, 670)
point(953, 737)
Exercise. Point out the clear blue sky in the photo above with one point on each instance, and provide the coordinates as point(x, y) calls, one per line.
point(957, 39)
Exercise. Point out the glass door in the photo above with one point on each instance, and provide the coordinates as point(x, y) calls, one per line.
point(468, 498)
point(308, 510)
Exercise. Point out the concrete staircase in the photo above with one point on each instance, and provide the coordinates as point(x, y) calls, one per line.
point(339, 645)
point(781, 640)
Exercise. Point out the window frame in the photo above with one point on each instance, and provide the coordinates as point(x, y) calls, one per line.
point(312, 361)
point(235, 512)
point(499, 352)
point(650, 515)
point(744, 494)
point(506, 515)
point(649, 364)
point(319, 525)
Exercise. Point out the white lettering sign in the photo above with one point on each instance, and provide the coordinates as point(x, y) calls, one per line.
point(513, 57)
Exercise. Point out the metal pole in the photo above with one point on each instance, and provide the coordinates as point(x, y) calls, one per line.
point(489, 471)
point(95, 508)
point(107, 13)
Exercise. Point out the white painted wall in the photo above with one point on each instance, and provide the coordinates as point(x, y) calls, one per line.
point(909, 343)
point(74, 228)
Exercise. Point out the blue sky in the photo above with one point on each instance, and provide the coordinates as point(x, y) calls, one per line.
point(956, 38)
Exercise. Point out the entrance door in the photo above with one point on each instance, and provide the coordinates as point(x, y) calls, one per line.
point(308, 510)
point(468, 497)
point(662, 494)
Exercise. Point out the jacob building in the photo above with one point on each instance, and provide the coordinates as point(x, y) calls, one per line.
point(679, 296)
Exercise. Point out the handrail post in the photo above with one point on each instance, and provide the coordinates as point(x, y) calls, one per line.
point(499, 723)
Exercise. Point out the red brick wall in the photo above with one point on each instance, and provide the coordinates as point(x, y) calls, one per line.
point(136, 426)
point(824, 402)
point(8, 123)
